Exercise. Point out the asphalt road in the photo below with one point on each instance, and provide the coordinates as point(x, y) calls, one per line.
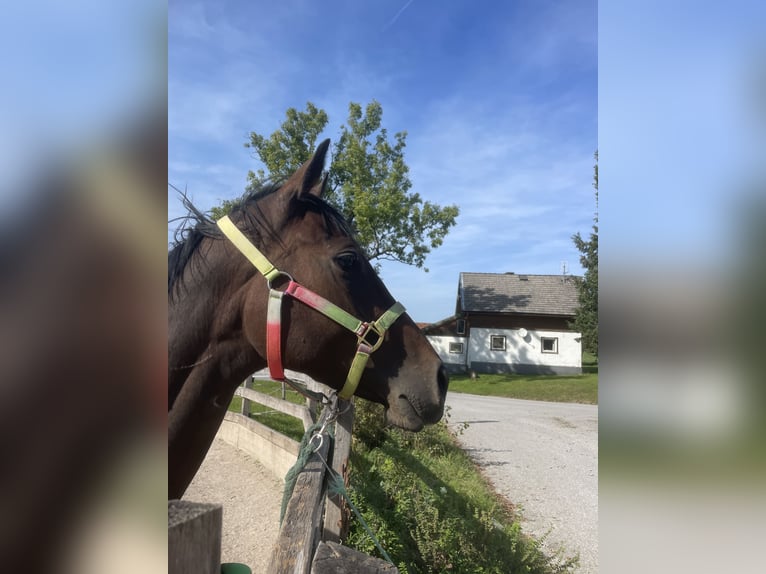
point(543, 457)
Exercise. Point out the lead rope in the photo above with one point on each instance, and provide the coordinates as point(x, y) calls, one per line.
point(335, 485)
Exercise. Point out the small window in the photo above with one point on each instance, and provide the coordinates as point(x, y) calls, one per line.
point(550, 344)
point(456, 348)
point(497, 342)
point(460, 327)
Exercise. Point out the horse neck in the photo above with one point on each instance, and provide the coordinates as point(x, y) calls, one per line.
point(205, 320)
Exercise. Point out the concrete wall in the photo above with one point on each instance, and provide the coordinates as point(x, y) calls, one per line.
point(524, 354)
point(454, 362)
point(273, 450)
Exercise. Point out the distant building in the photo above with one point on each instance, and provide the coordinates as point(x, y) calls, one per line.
point(509, 323)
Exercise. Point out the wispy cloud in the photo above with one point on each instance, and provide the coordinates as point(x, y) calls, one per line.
point(396, 16)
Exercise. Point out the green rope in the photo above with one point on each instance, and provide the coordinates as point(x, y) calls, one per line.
point(304, 452)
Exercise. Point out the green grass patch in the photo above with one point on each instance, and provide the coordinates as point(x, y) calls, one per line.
point(280, 422)
point(562, 389)
point(430, 507)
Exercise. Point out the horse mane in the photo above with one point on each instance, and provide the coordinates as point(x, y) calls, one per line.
point(196, 225)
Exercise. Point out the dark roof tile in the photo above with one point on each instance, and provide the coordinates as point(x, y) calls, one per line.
point(510, 293)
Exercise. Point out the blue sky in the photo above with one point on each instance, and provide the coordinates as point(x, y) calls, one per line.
point(499, 100)
point(680, 137)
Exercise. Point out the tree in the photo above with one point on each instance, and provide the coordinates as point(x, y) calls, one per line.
point(368, 181)
point(586, 317)
point(226, 206)
point(288, 147)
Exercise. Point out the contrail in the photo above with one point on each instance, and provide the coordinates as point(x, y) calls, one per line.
point(399, 13)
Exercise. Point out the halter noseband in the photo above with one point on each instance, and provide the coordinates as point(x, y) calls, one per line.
point(369, 335)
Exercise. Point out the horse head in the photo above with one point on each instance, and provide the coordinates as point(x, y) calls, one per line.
point(308, 241)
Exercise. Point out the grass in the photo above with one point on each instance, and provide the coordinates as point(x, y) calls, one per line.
point(562, 389)
point(431, 508)
point(555, 388)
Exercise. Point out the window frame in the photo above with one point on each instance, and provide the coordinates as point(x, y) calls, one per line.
point(555, 350)
point(492, 345)
point(458, 330)
point(456, 343)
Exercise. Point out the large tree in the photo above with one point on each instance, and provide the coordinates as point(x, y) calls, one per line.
point(586, 318)
point(368, 179)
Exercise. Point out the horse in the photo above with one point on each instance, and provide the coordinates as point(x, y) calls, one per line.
point(218, 303)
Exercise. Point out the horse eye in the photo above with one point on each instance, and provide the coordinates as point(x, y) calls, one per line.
point(347, 260)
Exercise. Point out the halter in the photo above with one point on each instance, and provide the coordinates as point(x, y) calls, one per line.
point(369, 335)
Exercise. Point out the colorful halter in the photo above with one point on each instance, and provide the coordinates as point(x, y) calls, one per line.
point(369, 335)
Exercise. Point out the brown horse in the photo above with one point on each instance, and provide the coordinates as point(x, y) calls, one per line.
point(217, 317)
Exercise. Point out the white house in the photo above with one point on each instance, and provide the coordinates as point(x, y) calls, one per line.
point(509, 323)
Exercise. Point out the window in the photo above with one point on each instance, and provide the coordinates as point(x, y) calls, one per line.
point(456, 348)
point(497, 342)
point(550, 344)
point(460, 327)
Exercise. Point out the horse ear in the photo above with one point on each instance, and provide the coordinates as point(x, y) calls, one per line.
point(313, 182)
point(321, 187)
point(308, 178)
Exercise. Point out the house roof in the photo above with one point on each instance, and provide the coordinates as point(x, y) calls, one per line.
point(512, 293)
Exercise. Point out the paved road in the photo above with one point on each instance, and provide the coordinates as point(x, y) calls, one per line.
point(543, 457)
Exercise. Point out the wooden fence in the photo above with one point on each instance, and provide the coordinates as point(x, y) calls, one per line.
point(314, 524)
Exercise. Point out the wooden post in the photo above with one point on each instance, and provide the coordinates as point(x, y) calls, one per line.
point(299, 535)
point(332, 558)
point(248, 384)
point(194, 537)
point(337, 512)
point(315, 386)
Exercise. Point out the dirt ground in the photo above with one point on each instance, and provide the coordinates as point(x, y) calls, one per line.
point(251, 497)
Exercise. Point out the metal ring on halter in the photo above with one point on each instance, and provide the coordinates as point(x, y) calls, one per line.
point(281, 274)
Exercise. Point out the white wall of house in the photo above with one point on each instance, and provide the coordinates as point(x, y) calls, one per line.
point(524, 354)
point(453, 361)
point(521, 354)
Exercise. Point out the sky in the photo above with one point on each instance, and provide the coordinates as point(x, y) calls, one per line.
point(499, 101)
point(681, 135)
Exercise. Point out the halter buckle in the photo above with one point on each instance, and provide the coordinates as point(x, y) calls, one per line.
point(364, 332)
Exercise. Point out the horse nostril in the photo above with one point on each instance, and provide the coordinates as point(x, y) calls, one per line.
point(442, 380)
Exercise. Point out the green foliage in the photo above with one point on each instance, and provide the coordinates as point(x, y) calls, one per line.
point(219, 211)
point(586, 317)
point(287, 148)
point(368, 178)
point(370, 184)
point(369, 423)
point(432, 510)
